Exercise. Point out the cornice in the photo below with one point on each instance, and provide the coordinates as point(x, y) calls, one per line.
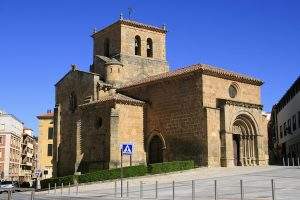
point(223, 102)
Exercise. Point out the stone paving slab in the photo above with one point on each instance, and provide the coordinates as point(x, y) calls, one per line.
point(256, 182)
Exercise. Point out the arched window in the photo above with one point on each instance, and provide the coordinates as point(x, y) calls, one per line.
point(149, 48)
point(137, 45)
point(106, 47)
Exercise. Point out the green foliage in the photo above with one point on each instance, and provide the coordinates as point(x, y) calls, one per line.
point(139, 170)
point(65, 180)
point(132, 171)
point(165, 167)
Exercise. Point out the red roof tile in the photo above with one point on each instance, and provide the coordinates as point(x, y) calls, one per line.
point(202, 68)
point(119, 98)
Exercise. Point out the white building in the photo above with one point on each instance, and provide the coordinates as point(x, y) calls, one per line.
point(11, 130)
point(286, 114)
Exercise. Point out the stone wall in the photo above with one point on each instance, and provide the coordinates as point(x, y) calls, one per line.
point(130, 130)
point(128, 34)
point(103, 128)
point(174, 111)
point(136, 67)
point(82, 85)
point(113, 34)
point(212, 124)
point(93, 137)
point(217, 88)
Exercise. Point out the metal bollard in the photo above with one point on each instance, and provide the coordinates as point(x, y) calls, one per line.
point(115, 189)
point(54, 188)
point(127, 189)
point(288, 161)
point(49, 188)
point(193, 190)
point(293, 161)
point(141, 189)
point(61, 189)
point(156, 189)
point(216, 195)
point(32, 195)
point(242, 190)
point(69, 192)
point(298, 161)
point(77, 189)
point(173, 190)
point(9, 195)
point(283, 161)
point(273, 189)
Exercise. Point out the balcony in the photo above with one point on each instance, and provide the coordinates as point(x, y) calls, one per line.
point(24, 172)
point(28, 163)
point(30, 145)
point(29, 155)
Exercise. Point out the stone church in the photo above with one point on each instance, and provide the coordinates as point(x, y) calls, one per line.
point(129, 95)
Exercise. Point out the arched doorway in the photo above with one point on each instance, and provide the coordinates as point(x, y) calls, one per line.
point(156, 150)
point(244, 140)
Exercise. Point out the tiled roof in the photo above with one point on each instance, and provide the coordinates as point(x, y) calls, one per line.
point(45, 116)
point(133, 23)
point(118, 98)
point(202, 68)
point(141, 25)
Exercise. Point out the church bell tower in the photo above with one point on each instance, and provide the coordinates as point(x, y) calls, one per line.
point(127, 51)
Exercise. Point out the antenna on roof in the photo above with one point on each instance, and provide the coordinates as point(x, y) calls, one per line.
point(130, 11)
point(121, 16)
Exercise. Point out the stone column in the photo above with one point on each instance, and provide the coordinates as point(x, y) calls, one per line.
point(229, 150)
point(241, 150)
point(78, 147)
point(248, 150)
point(115, 153)
point(253, 150)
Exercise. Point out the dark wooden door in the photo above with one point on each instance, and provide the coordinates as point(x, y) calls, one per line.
point(236, 150)
point(155, 150)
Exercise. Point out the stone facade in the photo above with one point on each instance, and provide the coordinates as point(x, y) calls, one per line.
point(200, 112)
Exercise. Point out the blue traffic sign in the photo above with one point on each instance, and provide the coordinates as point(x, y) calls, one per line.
point(127, 149)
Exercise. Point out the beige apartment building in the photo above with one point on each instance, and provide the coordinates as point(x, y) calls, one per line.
point(45, 144)
point(28, 158)
point(11, 130)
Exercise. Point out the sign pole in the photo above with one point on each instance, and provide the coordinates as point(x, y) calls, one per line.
point(130, 159)
point(121, 172)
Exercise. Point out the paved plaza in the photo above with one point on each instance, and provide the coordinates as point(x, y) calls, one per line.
point(256, 185)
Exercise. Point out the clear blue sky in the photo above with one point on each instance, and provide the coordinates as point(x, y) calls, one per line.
point(39, 39)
